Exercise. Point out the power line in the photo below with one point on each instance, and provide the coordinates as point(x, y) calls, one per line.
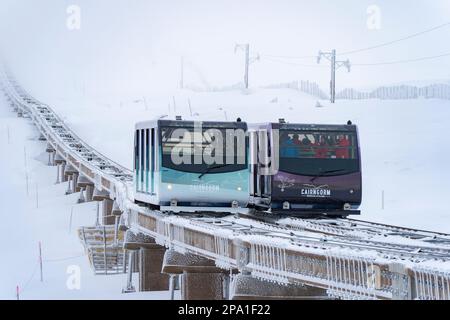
point(293, 63)
point(397, 40)
point(288, 57)
point(403, 61)
point(363, 64)
point(366, 48)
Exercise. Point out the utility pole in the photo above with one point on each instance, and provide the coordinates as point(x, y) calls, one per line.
point(246, 48)
point(182, 73)
point(331, 56)
point(333, 76)
point(247, 61)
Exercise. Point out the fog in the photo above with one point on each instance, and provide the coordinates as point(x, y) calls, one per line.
point(132, 46)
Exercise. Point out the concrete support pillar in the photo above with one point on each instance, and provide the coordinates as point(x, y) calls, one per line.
point(81, 199)
point(50, 157)
point(137, 261)
point(75, 182)
point(100, 195)
point(89, 193)
point(58, 174)
point(150, 262)
point(108, 218)
point(69, 184)
point(63, 168)
point(51, 154)
point(246, 287)
point(150, 265)
point(200, 278)
point(202, 286)
point(69, 171)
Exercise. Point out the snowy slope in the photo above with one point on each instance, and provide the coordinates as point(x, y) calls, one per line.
point(43, 214)
point(403, 142)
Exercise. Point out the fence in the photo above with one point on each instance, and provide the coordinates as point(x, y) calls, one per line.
point(403, 92)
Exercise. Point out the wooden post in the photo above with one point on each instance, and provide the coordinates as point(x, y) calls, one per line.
point(40, 261)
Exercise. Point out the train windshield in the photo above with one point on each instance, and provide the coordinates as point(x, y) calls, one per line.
point(318, 153)
point(204, 150)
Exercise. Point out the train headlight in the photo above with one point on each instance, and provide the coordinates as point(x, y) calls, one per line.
point(169, 187)
point(239, 189)
point(347, 206)
point(352, 191)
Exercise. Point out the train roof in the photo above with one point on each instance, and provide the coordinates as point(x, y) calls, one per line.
point(190, 123)
point(305, 126)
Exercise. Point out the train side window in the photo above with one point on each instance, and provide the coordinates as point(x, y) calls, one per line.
point(142, 159)
point(147, 158)
point(136, 157)
point(253, 163)
point(153, 158)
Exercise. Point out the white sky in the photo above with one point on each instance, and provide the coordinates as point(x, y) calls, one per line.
point(133, 45)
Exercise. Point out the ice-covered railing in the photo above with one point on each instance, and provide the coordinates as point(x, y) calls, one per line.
point(100, 170)
point(265, 253)
point(345, 273)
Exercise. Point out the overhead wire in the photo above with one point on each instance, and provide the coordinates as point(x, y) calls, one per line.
point(279, 58)
point(385, 44)
point(403, 61)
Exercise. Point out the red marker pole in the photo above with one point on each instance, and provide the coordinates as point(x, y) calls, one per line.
point(17, 292)
point(40, 261)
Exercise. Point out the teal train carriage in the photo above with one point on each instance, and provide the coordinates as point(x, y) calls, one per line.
point(190, 166)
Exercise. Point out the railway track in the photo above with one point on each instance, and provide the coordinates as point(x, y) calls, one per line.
point(270, 235)
point(344, 232)
point(384, 239)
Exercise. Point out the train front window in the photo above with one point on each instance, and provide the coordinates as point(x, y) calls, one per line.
point(318, 153)
point(205, 150)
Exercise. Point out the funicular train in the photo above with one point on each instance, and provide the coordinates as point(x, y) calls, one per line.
point(305, 169)
point(230, 167)
point(187, 166)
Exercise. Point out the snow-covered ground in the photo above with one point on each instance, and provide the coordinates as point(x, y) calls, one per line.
point(404, 155)
point(403, 142)
point(42, 214)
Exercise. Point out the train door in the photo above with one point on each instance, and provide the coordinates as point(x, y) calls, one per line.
point(150, 158)
point(153, 157)
point(136, 158)
point(263, 159)
point(267, 185)
point(142, 161)
point(253, 163)
point(147, 160)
